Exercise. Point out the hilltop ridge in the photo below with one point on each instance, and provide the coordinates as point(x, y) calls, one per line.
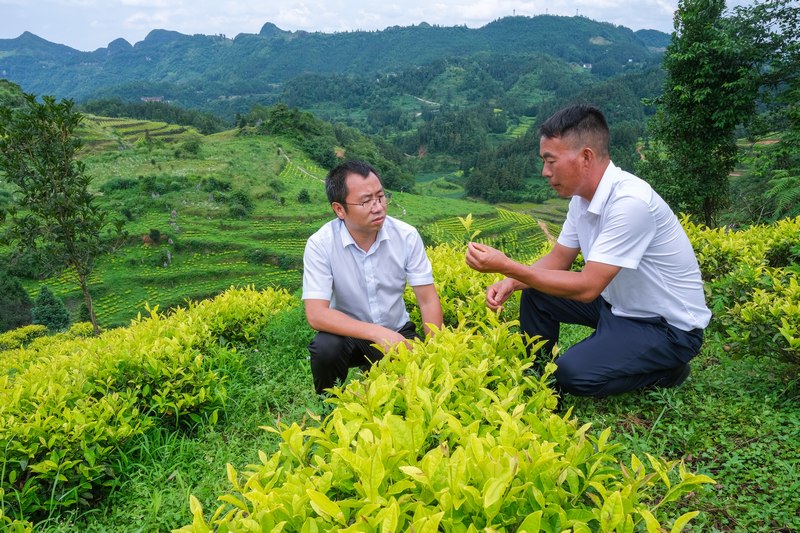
point(206, 68)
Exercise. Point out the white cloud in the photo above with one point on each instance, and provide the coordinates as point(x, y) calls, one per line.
point(150, 3)
point(147, 20)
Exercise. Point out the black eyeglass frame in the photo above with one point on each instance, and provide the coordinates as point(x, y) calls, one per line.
point(385, 199)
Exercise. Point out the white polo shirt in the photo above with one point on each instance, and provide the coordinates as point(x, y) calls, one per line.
point(627, 224)
point(367, 286)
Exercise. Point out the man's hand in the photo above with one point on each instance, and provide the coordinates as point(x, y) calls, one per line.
point(388, 338)
point(485, 258)
point(498, 293)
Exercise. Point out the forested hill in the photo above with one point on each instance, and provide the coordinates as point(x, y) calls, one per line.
point(197, 70)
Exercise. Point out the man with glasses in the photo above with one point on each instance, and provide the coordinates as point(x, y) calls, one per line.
point(355, 270)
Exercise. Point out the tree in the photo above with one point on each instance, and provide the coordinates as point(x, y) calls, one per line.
point(50, 311)
point(15, 304)
point(710, 88)
point(772, 30)
point(38, 154)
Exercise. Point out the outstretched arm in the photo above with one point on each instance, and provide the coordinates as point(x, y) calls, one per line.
point(549, 275)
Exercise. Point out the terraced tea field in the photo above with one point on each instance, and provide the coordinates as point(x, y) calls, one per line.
point(101, 133)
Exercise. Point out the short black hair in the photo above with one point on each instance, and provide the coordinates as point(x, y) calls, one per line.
point(586, 122)
point(336, 180)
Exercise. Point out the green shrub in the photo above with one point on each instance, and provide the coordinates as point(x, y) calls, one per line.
point(450, 435)
point(162, 184)
point(751, 284)
point(241, 204)
point(17, 338)
point(155, 236)
point(50, 311)
point(71, 404)
point(462, 290)
point(191, 146)
point(769, 322)
point(119, 184)
point(213, 184)
point(15, 304)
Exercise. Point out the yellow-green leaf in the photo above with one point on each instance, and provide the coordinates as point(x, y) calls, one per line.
point(611, 514)
point(324, 506)
point(682, 520)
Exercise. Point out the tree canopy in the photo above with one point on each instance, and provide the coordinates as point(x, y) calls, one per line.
point(709, 90)
point(56, 211)
point(729, 76)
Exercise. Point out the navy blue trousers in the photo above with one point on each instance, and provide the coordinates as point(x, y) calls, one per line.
point(621, 355)
point(332, 356)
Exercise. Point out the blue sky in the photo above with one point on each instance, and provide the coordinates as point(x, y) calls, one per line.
point(91, 24)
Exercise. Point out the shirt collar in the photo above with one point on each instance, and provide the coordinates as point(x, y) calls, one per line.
point(603, 190)
point(347, 239)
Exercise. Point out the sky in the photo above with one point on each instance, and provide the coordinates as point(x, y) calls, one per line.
point(90, 24)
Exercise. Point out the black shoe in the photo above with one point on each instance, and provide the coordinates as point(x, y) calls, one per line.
point(677, 377)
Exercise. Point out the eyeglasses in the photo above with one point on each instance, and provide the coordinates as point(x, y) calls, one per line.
point(384, 199)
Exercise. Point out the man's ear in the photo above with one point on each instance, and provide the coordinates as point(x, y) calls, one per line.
point(338, 209)
point(588, 155)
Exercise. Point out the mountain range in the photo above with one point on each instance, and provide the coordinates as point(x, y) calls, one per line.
point(217, 73)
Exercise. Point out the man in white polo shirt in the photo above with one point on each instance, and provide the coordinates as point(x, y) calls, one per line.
point(640, 285)
point(355, 270)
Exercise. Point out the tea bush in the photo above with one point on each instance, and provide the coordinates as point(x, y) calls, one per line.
point(20, 336)
point(462, 291)
point(451, 435)
point(70, 405)
point(751, 284)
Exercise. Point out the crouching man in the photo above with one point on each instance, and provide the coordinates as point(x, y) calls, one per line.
point(640, 285)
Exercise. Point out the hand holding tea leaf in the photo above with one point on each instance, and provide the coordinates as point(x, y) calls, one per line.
point(485, 259)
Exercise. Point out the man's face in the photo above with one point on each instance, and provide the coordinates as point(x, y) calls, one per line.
point(367, 218)
point(562, 165)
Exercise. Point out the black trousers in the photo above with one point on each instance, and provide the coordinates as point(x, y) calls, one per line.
point(621, 355)
point(333, 355)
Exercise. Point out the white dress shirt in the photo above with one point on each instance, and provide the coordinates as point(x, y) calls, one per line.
point(367, 286)
point(627, 224)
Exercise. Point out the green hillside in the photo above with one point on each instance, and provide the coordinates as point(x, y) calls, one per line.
point(100, 133)
point(229, 211)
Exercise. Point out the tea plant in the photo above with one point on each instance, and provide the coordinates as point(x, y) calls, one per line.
point(752, 286)
point(71, 404)
point(450, 435)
